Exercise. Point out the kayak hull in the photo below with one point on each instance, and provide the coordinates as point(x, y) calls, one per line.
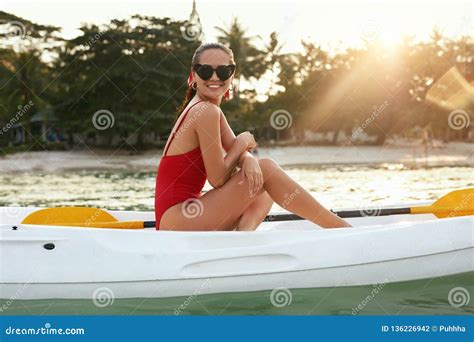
point(62, 262)
point(320, 278)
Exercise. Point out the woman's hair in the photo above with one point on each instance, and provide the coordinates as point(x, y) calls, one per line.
point(190, 92)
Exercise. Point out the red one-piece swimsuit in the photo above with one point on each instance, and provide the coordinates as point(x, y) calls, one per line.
point(179, 177)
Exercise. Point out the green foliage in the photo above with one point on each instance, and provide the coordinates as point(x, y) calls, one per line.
point(137, 69)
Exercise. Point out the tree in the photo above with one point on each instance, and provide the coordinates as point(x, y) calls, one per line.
point(136, 69)
point(249, 59)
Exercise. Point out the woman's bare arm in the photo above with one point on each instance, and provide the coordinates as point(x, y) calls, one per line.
point(228, 138)
point(227, 135)
point(208, 130)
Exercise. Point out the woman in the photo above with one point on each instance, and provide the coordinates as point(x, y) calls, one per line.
point(194, 152)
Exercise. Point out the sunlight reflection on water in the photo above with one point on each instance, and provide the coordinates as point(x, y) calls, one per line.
point(335, 187)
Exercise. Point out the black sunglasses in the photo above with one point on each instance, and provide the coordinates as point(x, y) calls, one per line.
point(205, 71)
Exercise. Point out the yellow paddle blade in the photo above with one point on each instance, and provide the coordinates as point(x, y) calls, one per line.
point(456, 203)
point(79, 217)
point(67, 215)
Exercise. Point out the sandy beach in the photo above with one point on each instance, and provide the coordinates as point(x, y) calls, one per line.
point(452, 154)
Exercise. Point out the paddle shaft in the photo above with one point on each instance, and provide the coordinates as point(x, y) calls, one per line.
point(342, 214)
point(456, 203)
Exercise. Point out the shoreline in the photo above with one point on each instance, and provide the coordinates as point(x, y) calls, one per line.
point(452, 154)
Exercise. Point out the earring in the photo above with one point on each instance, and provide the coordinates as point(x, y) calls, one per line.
point(227, 94)
point(194, 85)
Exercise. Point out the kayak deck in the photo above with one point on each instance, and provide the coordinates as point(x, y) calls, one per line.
point(63, 262)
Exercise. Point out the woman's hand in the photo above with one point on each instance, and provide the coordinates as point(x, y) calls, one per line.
point(251, 170)
point(247, 139)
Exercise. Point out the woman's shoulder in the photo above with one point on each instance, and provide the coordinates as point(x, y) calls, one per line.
point(205, 106)
point(205, 111)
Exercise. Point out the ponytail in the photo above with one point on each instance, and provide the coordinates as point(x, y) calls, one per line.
point(190, 92)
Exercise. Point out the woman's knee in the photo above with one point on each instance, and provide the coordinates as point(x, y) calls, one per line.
point(267, 163)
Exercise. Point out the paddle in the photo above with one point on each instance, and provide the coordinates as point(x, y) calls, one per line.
point(455, 203)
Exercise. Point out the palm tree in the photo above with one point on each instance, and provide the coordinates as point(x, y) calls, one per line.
point(248, 58)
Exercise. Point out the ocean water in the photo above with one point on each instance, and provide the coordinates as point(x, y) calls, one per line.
point(435, 296)
point(335, 187)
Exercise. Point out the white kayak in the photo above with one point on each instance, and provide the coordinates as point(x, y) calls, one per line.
point(39, 262)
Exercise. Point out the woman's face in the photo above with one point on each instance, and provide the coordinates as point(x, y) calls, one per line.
point(213, 88)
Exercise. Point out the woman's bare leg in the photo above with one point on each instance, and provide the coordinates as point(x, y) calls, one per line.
point(223, 208)
point(291, 196)
point(220, 208)
point(255, 212)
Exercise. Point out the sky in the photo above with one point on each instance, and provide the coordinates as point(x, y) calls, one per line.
point(333, 24)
